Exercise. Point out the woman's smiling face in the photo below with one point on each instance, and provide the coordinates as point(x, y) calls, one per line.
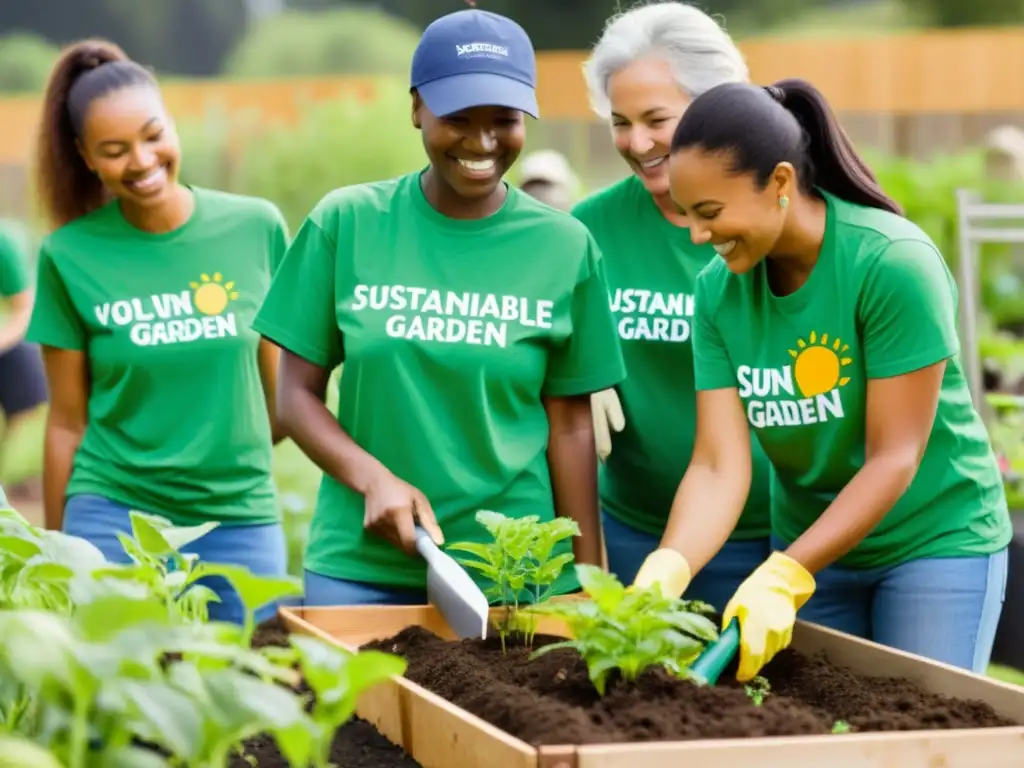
point(473, 149)
point(728, 209)
point(646, 104)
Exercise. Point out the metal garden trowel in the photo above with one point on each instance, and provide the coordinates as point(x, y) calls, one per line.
point(452, 591)
point(716, 657)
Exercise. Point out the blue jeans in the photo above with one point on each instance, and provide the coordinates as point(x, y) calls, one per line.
point(943, 608)
point(325, 590)
point(260, 548)
point(715, 584)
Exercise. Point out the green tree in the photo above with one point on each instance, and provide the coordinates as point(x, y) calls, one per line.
point(967, 13)
point(572, 24)
point(184, 37)
point(336, 143)
point(25, 63)
point(349, 41)
point(558, 24)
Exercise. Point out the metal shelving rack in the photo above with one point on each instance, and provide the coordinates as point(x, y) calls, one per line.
point(978, 223)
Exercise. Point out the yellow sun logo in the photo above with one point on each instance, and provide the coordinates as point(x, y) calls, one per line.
point(818, 365)
point(211, 295)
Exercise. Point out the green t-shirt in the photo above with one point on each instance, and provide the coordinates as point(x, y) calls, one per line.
point(14, 276)
point(451, 331)
point(652, 268)
point(177, 419)
point(879, 303)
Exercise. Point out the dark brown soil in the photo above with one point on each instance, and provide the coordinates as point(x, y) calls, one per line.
point(550, 700)
point(357, 744)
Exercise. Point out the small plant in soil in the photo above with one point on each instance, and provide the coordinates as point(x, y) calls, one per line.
point(518, 564)
point(758, 690)
point(42, 569)
point(117, 666)
point(841, 726)
point(160, 569)
point(629, 630)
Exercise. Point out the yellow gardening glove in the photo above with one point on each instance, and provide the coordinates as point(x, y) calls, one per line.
point(766, 605)
point(666, 567)
point(606, 410)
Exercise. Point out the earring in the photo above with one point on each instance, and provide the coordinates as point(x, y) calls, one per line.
point(783, 202)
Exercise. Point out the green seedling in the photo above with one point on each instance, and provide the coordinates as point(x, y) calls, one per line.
point(102, 686)
point(841, 726)
point(120, 671)
point(758, 689)
point(16, 752)
point(629, 630)
point(337, 678)
point(41, 569)
point(518, 564)
point(160, 568)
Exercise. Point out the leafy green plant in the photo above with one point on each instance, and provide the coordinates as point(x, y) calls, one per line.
point(629, 630)
point(41, 569)
point(1005, 429)
point(337, 679)
point(17, 752)
point(519, 563)
point(161, 569)
point(758, 690)
point(103, 685)
point(841, 726)
point(123, 670)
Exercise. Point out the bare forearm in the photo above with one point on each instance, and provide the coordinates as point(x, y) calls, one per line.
point(59, 448)
point(706, 508)
point(269, 356)
point(13, 331)
point(854, 513)
point(306, 419)
point(572, 464)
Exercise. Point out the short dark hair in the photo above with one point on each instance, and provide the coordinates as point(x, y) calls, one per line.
point(790, 121)
point(85, 71)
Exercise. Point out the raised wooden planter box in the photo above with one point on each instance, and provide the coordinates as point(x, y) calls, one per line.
point(437, 734)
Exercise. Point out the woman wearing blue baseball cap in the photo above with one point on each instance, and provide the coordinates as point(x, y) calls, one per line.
point(473, 323)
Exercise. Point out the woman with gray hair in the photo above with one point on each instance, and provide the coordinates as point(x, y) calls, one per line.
point(648, 65)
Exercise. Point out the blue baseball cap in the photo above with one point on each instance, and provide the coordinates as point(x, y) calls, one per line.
point(475, 58)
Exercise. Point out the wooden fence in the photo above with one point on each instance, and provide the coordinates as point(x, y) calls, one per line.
point(909, 93)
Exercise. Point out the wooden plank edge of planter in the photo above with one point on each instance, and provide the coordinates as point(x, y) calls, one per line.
point(973, 748)
point(869, 658)
point(910, 749)
point(435, 732)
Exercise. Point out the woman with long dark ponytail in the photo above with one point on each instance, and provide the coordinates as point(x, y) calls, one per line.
point(160, 390)
point(828, 324)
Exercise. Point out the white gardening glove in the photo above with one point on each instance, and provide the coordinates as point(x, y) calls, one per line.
point(606, 411)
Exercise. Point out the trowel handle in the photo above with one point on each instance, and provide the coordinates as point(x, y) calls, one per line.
point(716, 657)
point(424, 544)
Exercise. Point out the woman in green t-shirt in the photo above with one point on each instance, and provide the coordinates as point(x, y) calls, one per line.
point(22, 379)
point(145, 296)
point(649, 64)
point(829, 325)
point(473, 323)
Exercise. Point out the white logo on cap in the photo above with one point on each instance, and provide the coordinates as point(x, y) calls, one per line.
point(481, 49)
